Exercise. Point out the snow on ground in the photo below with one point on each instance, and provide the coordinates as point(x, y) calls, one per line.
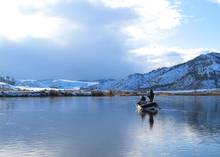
point(5, 86)
point(64, 89)
point(190, 91)
point(53, 84)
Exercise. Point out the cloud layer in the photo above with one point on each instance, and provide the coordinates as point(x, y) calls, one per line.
point(29, 19)
point(152, 17)
point(90, 39)
point(215, 1)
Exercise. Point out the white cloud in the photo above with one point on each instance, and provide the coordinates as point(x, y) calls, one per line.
point(215, 1)
point(156, 20)
point(158, 56)
point(21, 19)
point(153, 17)
point(16, 23)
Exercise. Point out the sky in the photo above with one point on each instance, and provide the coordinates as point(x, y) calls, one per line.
point(95, 39)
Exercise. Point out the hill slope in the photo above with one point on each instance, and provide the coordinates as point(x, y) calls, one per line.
point(58, 84)
point(202, 72)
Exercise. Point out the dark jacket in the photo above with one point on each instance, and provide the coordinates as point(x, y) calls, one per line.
point(143, 98)
point(151, 95)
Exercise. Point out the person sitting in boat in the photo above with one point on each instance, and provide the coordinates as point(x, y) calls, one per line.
point(143, 98)
point(151, 95)
point(142, 101)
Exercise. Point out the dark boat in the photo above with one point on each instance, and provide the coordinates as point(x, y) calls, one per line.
point(148, 106)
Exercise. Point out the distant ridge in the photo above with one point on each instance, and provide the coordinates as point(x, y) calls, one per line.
point(202, 72)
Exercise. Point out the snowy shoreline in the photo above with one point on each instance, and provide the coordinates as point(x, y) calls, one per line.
point(49, 92)
point(79, 88)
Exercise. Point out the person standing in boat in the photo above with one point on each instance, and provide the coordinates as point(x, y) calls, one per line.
point(151, 95)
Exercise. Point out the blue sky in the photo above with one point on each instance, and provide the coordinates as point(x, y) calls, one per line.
point(91, 39)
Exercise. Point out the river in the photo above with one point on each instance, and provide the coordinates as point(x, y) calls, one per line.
point(109, 127)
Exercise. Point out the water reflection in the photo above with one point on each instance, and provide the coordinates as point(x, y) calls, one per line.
point(194, 109)
point(88, 126)
point(7, 105)
point(150, 116)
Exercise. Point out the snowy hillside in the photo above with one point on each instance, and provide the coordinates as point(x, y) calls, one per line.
point(202, 72)
point(4, 85)
point(59, 84)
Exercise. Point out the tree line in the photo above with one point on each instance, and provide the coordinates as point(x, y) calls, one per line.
point(7, 79)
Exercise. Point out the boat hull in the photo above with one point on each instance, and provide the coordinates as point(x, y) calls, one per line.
point(151, 107)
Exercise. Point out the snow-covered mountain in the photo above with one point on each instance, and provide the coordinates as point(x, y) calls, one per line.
point(202, 72)
point(4, 85)
point(58, 84)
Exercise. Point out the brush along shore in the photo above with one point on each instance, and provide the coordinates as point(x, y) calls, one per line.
point(62, 92)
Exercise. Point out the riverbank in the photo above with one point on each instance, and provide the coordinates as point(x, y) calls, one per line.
point(200, 92)
point(63, 92)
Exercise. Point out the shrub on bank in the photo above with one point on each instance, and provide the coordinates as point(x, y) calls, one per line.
point(97, 93)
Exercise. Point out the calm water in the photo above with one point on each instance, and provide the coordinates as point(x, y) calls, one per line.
point(109, 127)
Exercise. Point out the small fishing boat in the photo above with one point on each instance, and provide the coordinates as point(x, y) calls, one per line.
point(148, 106)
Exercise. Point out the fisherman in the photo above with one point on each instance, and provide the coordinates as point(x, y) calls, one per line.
point(143, 98)
point(151, 95)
